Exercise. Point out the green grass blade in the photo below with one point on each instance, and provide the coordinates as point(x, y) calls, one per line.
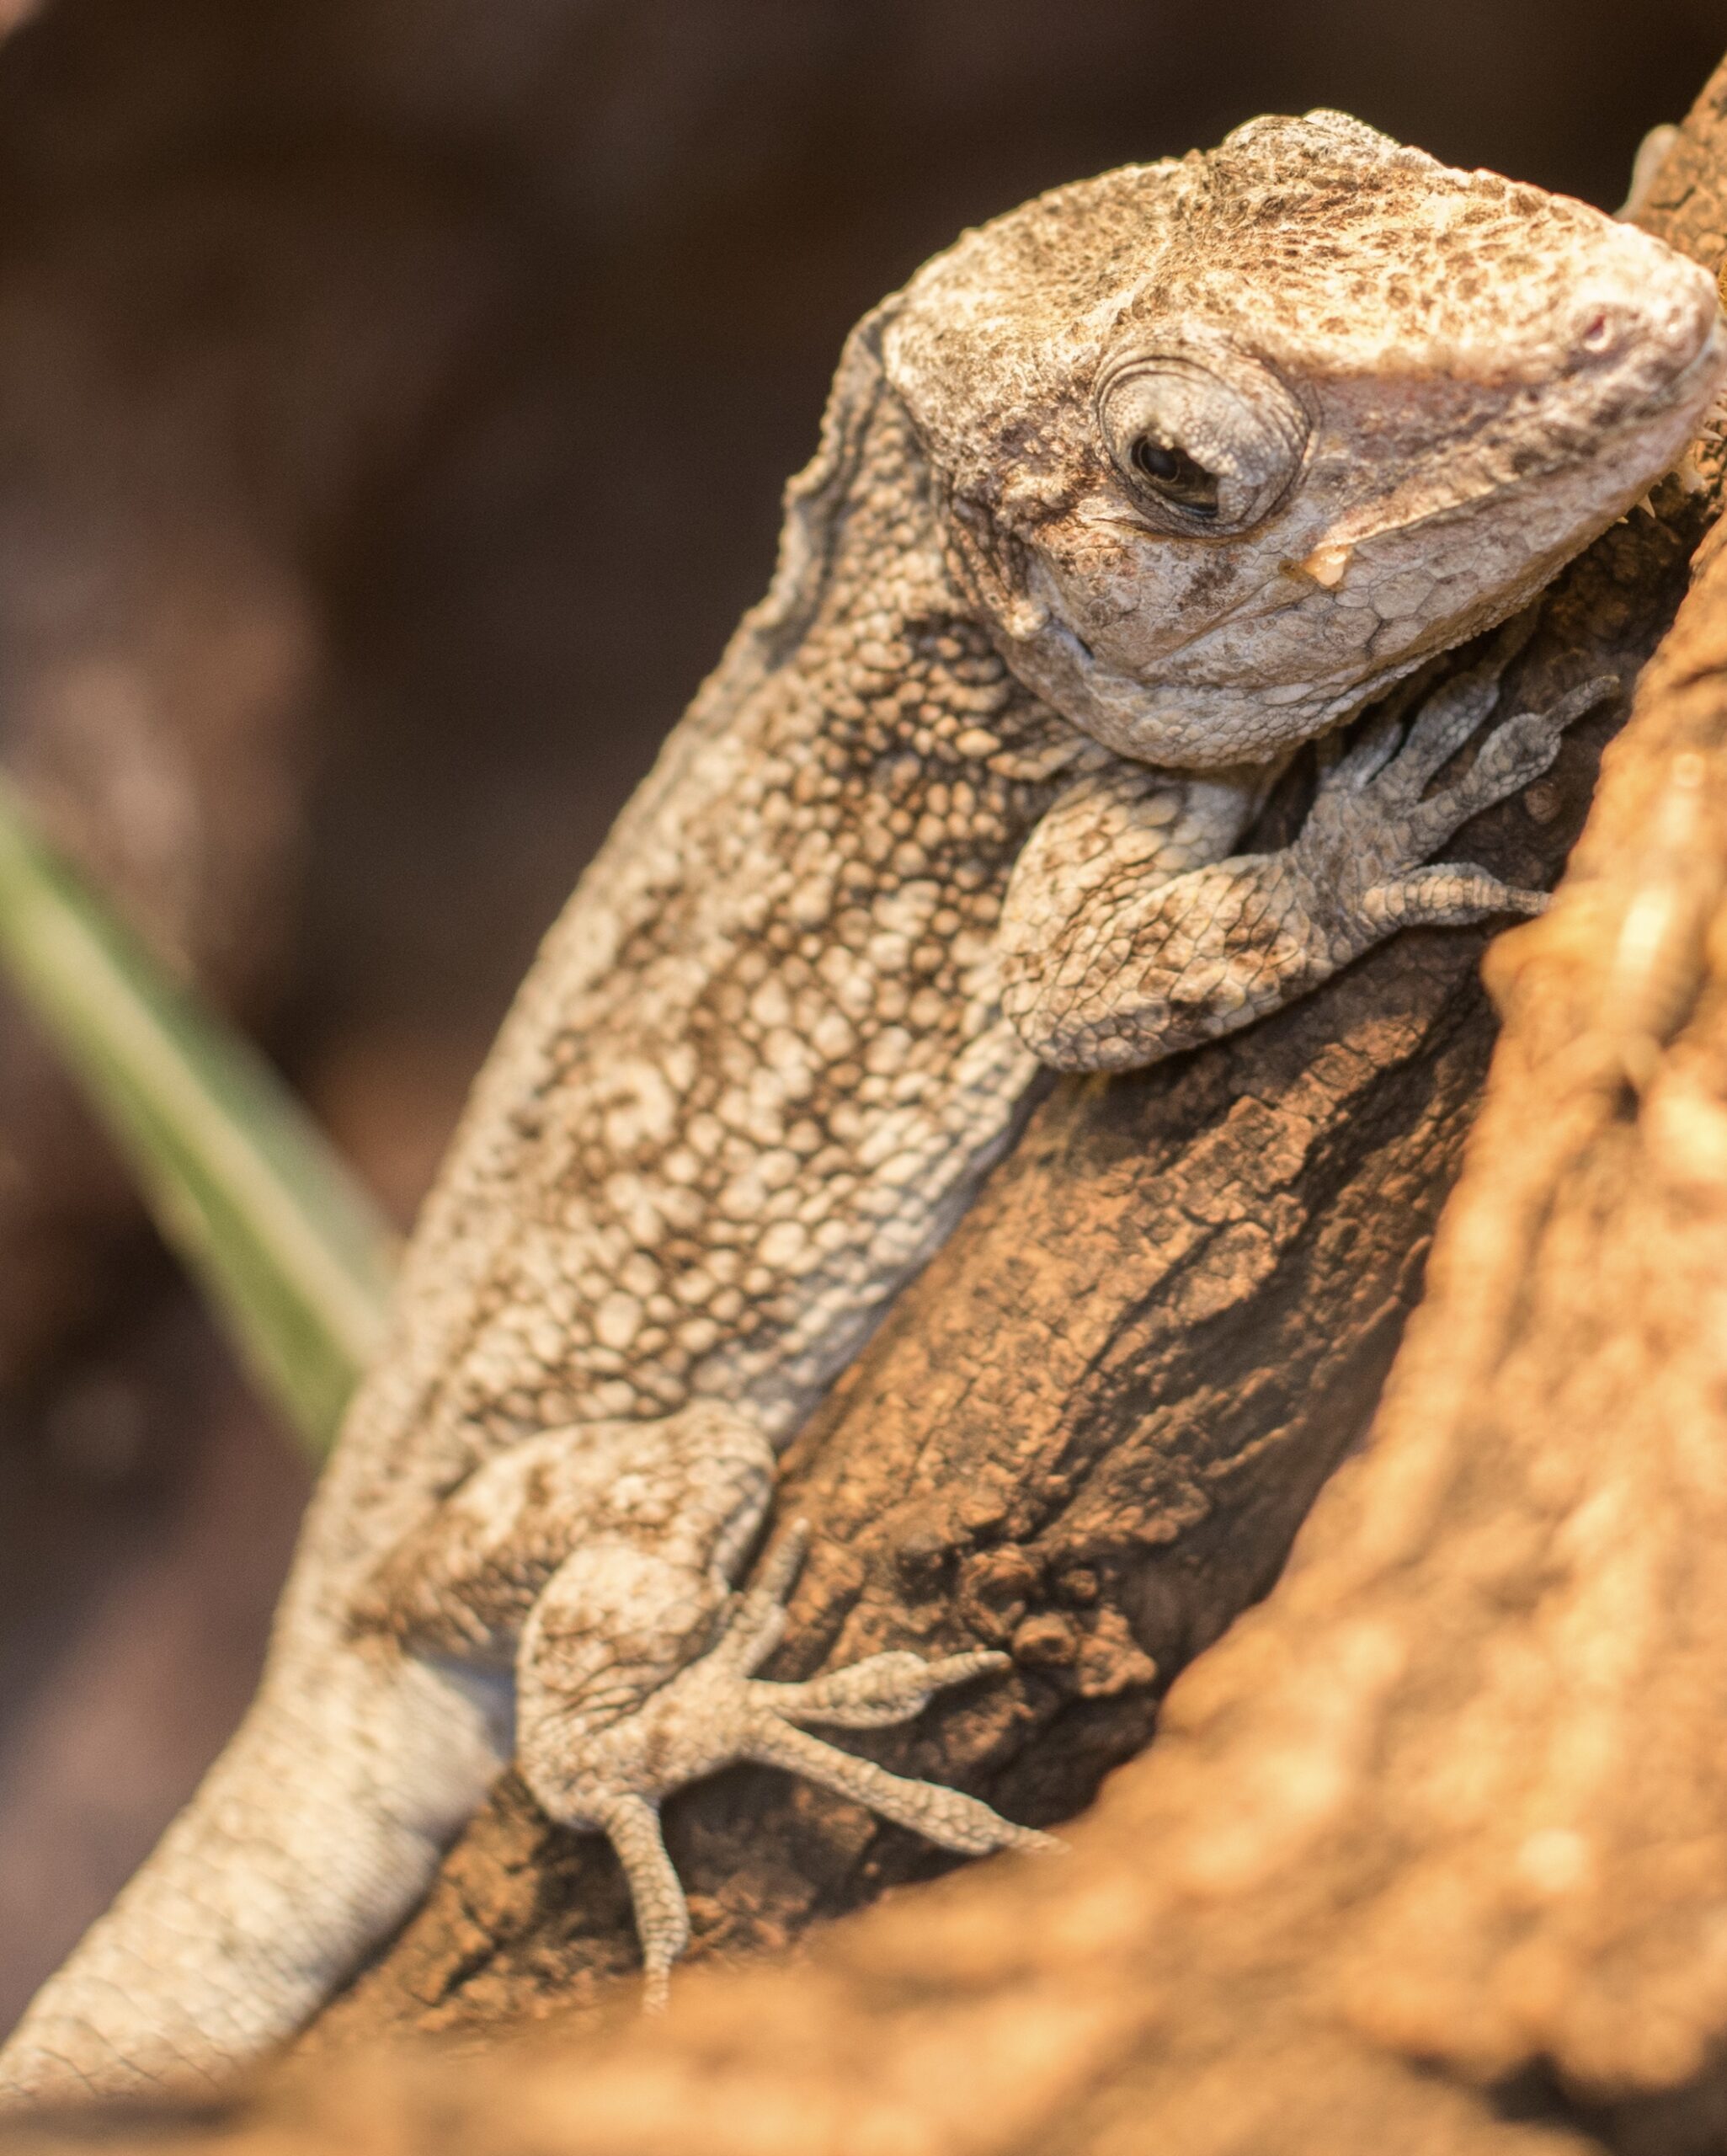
point(292, 1253)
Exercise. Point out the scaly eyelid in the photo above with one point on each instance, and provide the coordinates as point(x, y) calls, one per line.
point(1118, 515)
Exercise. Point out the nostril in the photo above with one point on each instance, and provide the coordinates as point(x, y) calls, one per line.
point(1596, 333)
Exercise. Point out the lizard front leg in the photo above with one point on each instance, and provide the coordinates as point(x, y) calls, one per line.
point(601, 1560)
point(1116, 951)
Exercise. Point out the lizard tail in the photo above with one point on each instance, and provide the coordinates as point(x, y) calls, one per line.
point(305, 1846)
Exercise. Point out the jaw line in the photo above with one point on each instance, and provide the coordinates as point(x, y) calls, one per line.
point(1135, 705)
point(1131, 705)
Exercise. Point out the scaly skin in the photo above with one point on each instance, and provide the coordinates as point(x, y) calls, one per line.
point(1123, 499)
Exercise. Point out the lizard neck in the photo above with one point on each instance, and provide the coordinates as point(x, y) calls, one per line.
point(880, 650)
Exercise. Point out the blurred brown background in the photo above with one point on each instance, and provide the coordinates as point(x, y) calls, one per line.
point(394, 400)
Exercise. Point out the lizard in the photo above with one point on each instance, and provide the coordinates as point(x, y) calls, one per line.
point(1117, 502)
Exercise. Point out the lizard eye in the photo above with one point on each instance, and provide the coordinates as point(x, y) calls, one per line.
point(1204, 446)
point(1175, 476)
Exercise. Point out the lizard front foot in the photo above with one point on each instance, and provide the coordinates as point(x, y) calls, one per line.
point(717, 1711)
point(1365, 852)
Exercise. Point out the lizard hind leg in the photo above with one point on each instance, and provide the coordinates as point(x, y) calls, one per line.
point(635, 1675)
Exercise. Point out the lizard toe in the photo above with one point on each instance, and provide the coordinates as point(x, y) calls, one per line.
point(946, 1816)
point(1450, 894)
point(632, 1825)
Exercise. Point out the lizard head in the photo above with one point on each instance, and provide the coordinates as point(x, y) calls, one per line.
point(1222, 446)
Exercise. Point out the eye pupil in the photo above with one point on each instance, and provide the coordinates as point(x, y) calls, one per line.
point(1176, 476)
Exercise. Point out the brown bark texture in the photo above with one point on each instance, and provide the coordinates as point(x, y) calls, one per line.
point(1430, 1851)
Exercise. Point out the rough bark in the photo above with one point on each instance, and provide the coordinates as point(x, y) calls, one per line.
point(1432, 1849)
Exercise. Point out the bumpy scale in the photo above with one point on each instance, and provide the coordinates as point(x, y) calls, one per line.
point(1120, 501)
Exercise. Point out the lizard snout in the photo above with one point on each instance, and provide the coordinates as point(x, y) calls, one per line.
point(1644, 330)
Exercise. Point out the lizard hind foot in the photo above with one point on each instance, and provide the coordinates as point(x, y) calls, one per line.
point(715, 1712)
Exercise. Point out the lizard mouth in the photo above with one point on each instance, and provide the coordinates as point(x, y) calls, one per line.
point(1679, 393)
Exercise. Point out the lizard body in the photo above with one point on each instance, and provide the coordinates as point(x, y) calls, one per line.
point(1119, 502)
